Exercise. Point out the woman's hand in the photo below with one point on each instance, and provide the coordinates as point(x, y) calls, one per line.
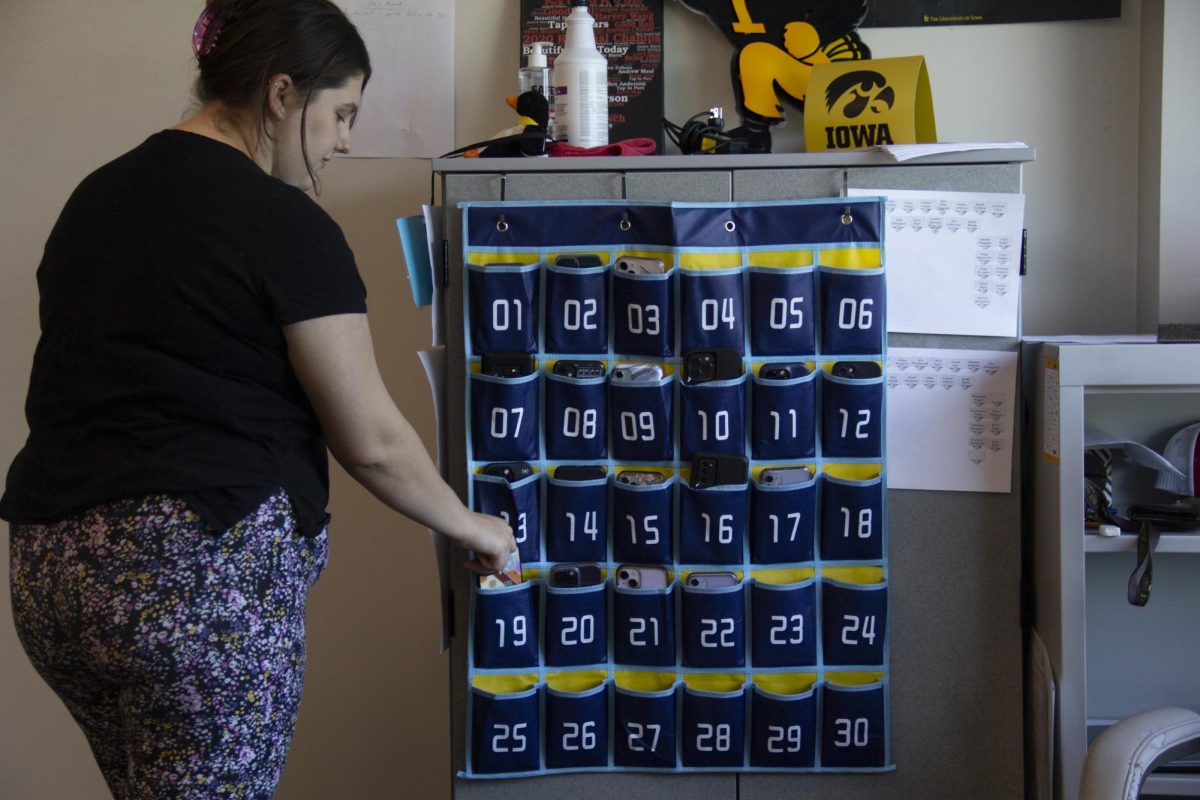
point(491, 541)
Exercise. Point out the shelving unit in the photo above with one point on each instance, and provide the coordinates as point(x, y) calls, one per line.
point(1110, 659)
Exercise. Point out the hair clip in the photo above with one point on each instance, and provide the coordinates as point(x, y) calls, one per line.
point(204, 35)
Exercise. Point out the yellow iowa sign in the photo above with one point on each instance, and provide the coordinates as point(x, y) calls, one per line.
point(855, 104)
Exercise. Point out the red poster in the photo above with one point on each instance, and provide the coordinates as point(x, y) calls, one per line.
point(630, 35)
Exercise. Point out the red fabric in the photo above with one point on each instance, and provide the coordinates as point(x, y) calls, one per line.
point(626, 147)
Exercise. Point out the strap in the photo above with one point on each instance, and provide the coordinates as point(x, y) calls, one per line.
point(1138, 590)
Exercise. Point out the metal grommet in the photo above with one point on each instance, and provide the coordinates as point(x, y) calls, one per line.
point(847, 217)
point(501, 225)
point(625, 224)
point(730, 225)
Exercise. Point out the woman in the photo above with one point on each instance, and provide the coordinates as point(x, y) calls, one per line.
point(204, 338)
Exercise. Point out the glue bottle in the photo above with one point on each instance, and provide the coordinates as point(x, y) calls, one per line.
point(581, 83)
point(535, 77)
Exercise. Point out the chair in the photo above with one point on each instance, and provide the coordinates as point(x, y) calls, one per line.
point(1123, 755)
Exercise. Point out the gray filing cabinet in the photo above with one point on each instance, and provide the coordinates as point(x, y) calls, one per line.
point(954, 558)
point(1110, 659)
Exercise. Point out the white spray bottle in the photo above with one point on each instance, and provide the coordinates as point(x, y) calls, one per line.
point(535, 77)
point(581, 83)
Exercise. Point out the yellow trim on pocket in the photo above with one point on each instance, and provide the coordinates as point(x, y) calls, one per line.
point(853, 678)
point(505, 684)
point(710, 260)
point(576, 681)
point(714, 682)
point(853, 472)
point(853, 258)
point(780, 259)
point(785, 683)
point(645, 681)
point(865, 576)
point(783, 576)
point(487, 259)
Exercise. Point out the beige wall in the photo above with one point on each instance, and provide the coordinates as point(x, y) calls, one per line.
point(82, 82)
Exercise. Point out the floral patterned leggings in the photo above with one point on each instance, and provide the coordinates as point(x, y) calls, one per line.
point(179, 652)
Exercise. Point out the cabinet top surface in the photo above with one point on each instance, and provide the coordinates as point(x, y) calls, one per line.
point(1126, 364)
point(859, 159)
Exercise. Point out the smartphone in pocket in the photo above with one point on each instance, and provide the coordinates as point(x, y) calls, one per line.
point(509, 575)
point(578, 260)
point(579, 369)
point(626, 372)
point(637, 265)
point(641, 576)
point(579, 472)
point(783, 372)
point(856, 369)
point(638, 477)
point(509, 470)
point(711, 580)
point(701, 366)
point(784, 476)
point(569, 576)
point(717, 469)
point(507, 365)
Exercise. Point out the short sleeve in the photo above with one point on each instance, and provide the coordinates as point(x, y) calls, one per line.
point(308, 269)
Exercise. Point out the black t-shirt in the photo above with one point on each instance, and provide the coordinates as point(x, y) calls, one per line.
point(162, 366)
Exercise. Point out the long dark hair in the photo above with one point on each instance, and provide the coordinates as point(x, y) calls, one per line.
point(248, 41)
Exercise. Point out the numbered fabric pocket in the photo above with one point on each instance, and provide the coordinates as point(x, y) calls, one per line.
point(644, 627)
point(517, 504)
point(504, 732)
point(712, 418)
point(576, 727)
point(854, 622)
point(714, 726)
point(503, 308)
point(712, 526)
point(642, 522)
point(576, 418)
point(785, 623)
point(505, 628)
point(783, 731)
point(782, 523)
point(576, 626)
point(504, 418)
point(576, 310)
point(714, 627)
point(852, 726)
point(852, 309)
point(851, 417)
point(785, 425)
point(782, 311)
point(711, 313)
point(640, 414)
point(851, 519)
point(577, 520)
point(644, 728)
point(643, 324)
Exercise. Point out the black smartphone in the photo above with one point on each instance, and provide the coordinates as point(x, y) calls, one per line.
point(856, 369)
point(718, 469)
point(579, 472)
point(507, 365)
point(579, 369)
point(783, 372)
point(578, 260)
point(566, 576)
point(700, 366)
point(509, 470)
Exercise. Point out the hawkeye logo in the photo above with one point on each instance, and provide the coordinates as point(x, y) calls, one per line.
point(852, 95)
